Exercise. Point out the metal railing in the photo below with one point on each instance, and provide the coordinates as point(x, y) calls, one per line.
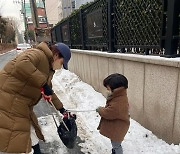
point(133, 26)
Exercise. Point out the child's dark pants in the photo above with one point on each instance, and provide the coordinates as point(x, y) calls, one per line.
point(116, 147)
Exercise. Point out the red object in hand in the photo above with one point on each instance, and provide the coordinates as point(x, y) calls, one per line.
point(68, 115)
point(65, 115)
point(48, 98)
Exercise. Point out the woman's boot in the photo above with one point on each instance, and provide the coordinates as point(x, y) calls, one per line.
point(113, 151)
point(36, 149)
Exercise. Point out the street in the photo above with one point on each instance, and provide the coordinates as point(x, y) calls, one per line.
point(4, 58)
point(42, 110)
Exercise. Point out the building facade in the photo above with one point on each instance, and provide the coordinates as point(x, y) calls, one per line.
point(67, 7)
point(41, 18)
point(60, 10)
point(78, 3)
point(56, 10)
point(52, 11)
point(41, 15)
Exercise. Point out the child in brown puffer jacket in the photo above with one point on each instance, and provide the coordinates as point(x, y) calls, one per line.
point(115, 119)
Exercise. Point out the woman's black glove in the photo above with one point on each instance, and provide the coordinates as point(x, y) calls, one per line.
point(62, 110)
point(65, 113)
point(47, 90)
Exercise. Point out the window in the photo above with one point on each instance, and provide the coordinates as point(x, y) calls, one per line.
point(73, 4)
point(42, 20)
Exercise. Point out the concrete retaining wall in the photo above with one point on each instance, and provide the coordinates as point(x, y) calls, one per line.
point(154, 86)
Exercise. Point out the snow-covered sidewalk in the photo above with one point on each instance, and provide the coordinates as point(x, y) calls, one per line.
point(76, 94)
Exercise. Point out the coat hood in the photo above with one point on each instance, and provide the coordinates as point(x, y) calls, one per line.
point(121, 91)
point(44, 47)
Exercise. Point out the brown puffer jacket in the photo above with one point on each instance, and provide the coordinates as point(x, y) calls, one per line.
point(115, 122)
point(20, 83)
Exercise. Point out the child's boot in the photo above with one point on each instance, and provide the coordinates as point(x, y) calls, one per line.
point(113, 151)
point(36, 149)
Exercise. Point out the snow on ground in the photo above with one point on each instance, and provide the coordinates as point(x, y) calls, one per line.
point(78, 95)
point(50, 132)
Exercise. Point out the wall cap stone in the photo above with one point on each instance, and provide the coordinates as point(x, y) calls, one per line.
point(173, 62)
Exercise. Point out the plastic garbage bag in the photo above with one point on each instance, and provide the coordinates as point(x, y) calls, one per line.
point(68, 137)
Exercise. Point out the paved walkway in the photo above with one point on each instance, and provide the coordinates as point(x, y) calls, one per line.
point(42, 109)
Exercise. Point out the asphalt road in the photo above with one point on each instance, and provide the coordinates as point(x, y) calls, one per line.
point(4, 58)
point(41, 109)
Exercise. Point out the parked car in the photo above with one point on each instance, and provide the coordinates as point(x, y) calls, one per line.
point(22, 47)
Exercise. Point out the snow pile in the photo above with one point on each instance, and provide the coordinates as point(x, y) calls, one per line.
point(76, 94)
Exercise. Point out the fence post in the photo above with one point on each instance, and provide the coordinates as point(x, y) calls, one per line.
point(59, 33)
point(69, 33)
point(82, 29)
point(146, 52)
point(171, 40)
point(110, 26)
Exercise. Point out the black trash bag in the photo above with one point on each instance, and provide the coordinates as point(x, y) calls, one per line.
point(68, 137)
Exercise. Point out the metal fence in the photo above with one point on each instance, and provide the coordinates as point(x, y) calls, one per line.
point(135, 26)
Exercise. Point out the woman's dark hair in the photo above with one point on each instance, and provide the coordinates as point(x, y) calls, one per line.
point(55, 51)
point(115, 81)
